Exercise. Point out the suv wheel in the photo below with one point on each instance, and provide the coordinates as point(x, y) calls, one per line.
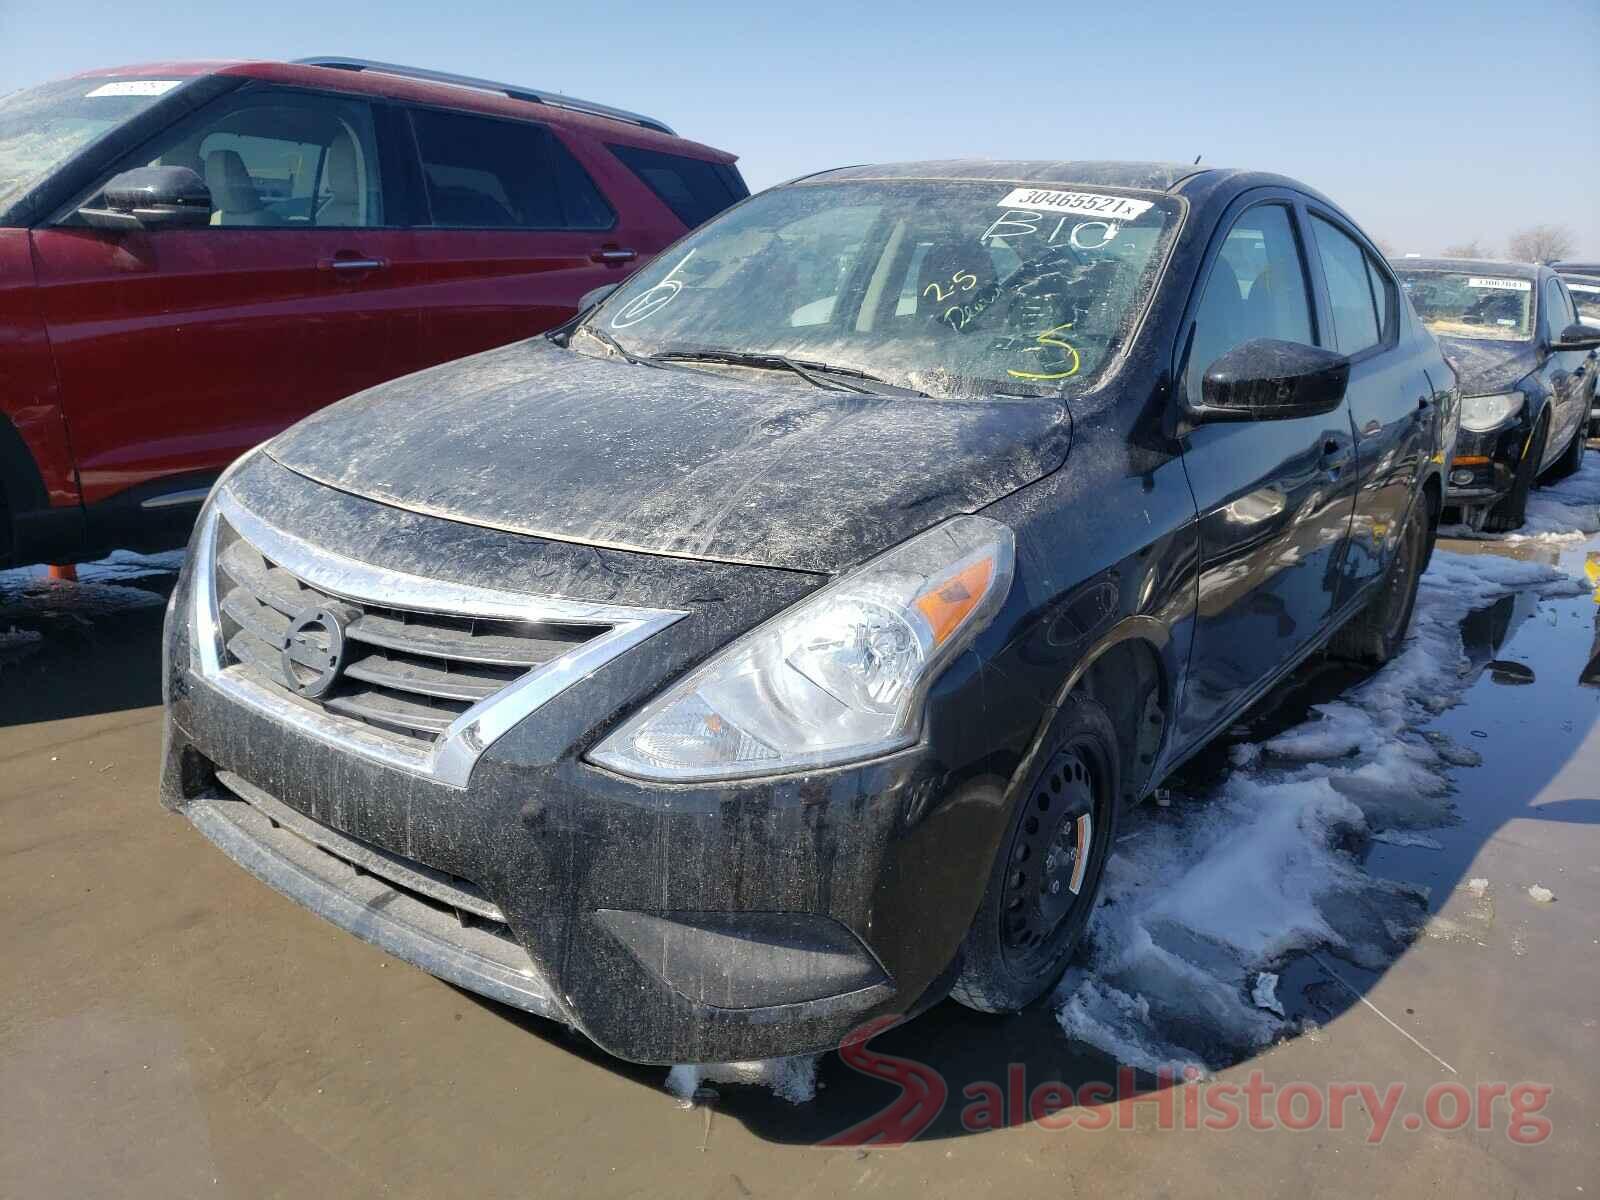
point(1374, 635)
point(1046, 878)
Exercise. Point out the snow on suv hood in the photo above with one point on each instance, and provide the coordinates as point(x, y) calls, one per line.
point(535, 439)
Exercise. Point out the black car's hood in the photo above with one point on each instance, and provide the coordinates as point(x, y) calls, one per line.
point(535, 439)
point(1484, 366)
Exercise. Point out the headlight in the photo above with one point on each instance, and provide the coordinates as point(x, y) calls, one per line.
point(1483, 413)
point(840, 676)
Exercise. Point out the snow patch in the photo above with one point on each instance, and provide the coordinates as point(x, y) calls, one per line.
point(792, 1079)
point(1205, 900)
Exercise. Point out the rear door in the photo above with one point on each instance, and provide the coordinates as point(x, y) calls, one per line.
point(1274, 497)
point(512, 231)
point(178, 349)
point(1389, 395)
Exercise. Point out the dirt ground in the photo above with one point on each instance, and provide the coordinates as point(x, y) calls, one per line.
point(170, 1027)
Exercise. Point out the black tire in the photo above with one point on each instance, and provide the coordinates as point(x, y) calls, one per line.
point(1511, 512)
point(1572, 457)
point(1046, 876)
point(1375, 634)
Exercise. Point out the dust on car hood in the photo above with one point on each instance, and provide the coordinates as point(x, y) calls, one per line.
point(1486, 366)
point(535, 439)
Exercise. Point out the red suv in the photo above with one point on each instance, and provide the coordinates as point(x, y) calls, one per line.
point(193, 256)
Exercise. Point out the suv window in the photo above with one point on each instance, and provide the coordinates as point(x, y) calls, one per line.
point(1385, 295)
point(1257, 289)
point(278, 160)
point(483, 173)
point(695, 190)
point(1356, 324)
point(1557, 313)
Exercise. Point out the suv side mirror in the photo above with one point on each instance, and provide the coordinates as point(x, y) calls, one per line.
point(152, 198)
point(1577, 336)
point(1265, 380)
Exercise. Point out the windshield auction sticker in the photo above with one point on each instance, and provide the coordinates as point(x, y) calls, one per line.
point(1504, 285)
point(1089, 204)
point(133, 87)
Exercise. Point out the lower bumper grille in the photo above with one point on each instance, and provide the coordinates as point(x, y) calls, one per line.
point(435, 921)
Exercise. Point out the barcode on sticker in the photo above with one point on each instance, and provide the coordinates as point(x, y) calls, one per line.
point(1505, 285)
point(1087, 204)
point(134, 87)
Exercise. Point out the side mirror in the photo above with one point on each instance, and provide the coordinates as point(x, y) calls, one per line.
point(1577, 336)
point(594, 295)
point(1266, 380)
point(152, 198)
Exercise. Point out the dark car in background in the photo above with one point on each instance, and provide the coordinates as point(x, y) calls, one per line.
point(774, 647)
point(194, 256)
point(1526, 371)
point(1585, 293)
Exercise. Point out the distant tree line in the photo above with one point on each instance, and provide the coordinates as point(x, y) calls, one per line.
point(1537, 244)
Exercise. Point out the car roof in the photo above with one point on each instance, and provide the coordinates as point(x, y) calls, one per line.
point(424, 87)
point(1197, 183)
point(1487, 266)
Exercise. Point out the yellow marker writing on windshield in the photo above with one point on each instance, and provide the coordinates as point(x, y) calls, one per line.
point(1044, 339)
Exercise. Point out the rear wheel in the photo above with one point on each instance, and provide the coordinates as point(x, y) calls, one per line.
point(1572, 457)
point(1046, 877)
point(1511, 512)
point(1374, 635)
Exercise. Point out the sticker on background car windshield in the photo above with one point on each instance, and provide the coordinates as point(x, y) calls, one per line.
point(1116, 208)
point(1507, 285)
point(1585, 288)
point(134, 87)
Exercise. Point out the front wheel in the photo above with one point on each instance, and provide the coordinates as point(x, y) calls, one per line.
point(1374, 635)
point(1046, 876)
point(1572, 457)
point(1511, 512)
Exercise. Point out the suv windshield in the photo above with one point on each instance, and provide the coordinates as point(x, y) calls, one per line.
point(42, 127)
point(948, 288)
point(1471, 305)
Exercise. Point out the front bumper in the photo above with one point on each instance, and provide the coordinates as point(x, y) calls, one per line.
point(684, 923)
point(1491, 459)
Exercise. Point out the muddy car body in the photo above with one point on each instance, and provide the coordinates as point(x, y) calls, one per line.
point(734, 667)
point(1526, 367)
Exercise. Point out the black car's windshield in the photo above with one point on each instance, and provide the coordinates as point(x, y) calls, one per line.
point(42, 127)
point(1471, 304)
point(948, 288)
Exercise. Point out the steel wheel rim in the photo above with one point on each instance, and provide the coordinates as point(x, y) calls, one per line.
point(1047, 865)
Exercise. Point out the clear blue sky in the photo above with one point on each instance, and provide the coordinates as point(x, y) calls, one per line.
point(1431, 122)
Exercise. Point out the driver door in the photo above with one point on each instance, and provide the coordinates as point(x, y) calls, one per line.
point(1274, 497)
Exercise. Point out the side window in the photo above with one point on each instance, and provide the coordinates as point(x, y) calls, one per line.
point(1557, 313)
point(483, 173)
point(694, 189)
point(1257, 289)
point(278, 160)
point(1345, 267)
point(1386, 296)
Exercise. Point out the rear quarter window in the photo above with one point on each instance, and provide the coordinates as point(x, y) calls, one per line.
point(694, 189)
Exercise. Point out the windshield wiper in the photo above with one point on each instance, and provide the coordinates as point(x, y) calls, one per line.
point(611, 343)
point(811, 372)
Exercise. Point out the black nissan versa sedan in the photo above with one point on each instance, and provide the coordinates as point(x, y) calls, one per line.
point(1525, 364)
point(773, 647)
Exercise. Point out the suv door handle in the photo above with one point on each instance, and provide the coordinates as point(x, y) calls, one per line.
point(342, 266)
point(613, 254)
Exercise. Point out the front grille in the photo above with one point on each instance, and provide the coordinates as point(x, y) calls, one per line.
point(408, 674)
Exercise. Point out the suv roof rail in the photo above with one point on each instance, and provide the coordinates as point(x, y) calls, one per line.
point(532, 95)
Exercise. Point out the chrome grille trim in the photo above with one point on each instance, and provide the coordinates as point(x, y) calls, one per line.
point(450, 760)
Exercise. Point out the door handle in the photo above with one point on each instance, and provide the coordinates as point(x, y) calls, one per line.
point(613, 254)
point(343, 266)
point(1336, 455)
